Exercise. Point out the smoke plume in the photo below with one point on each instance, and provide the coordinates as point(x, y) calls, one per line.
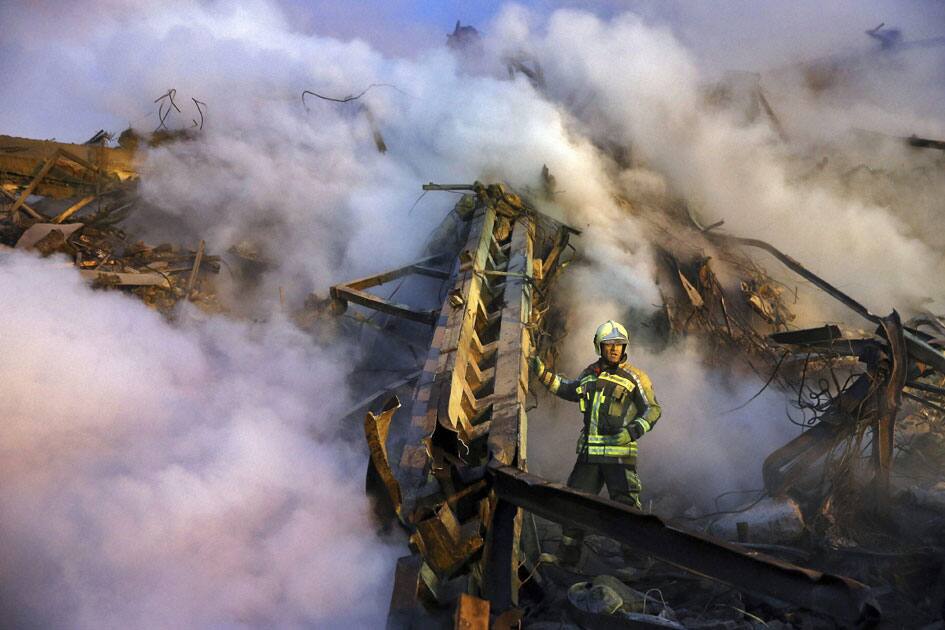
point(159, 475)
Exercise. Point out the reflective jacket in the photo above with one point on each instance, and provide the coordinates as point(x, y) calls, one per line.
point(612, 399)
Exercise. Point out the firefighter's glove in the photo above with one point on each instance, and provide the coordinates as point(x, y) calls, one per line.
point(636, 430)
point(537, 365)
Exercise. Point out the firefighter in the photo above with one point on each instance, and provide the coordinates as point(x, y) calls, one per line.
point(618, 404)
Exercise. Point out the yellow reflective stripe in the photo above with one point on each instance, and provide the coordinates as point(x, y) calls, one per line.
point(612, 451)
point(606, 440)
point(628, 450)
point(555, 384)
point(595, 409)
point(616, 439)
point(619, 380)
point(643, 423)
point(582, 405)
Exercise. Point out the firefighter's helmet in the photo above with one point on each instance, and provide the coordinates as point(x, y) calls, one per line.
point(610, 332)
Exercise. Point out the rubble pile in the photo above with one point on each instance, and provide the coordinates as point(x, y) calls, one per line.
point(859, 493)
point(464, 535)
point(848, 529)
point(857, 499)
point(85, 192)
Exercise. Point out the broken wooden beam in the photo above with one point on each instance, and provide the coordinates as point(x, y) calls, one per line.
point(845, 600)
point(68, 212)
point(198, 258)
point(363, 298)
point(405, 605)
point(925, 143)
point(23, 205)
point(43, 171)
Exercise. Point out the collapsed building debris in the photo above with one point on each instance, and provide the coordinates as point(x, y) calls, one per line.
point(99, 185)
point(451, 468)
point(453, 471)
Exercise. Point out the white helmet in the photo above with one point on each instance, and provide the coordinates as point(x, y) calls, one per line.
point(610, 332)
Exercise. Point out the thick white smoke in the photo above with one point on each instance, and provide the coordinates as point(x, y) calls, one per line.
point(865, 223)
point(628, 79)
point(165, 477)
point(159, 476)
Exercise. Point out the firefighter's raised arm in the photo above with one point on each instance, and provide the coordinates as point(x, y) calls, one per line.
point(561, 387)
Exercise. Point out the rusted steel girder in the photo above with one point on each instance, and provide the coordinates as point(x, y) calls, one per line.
point(843, 599)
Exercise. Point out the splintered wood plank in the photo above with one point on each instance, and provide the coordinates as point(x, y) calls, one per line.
point(507, 428)
point(192, 280)
point(68, 212)
point(380, 304)
point(472, 613)
point(21, 200)
point(511, 377)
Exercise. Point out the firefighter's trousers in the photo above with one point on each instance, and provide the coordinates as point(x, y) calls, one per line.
point(623, 486)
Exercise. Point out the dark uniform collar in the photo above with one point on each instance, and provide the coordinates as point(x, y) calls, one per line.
point(604, 366)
